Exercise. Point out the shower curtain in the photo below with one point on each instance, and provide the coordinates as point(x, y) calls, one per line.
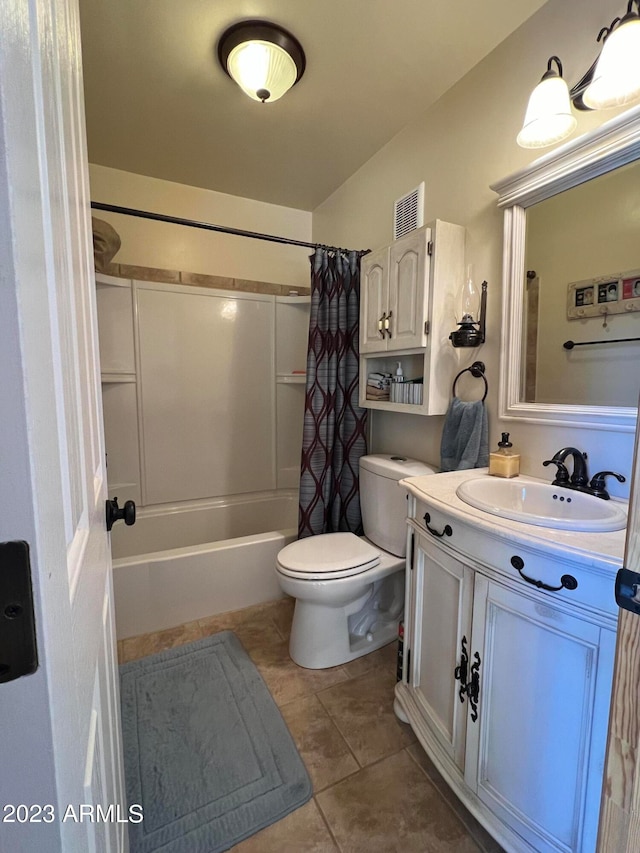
point(334, 436)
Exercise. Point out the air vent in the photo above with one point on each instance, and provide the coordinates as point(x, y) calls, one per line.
point(408, 212)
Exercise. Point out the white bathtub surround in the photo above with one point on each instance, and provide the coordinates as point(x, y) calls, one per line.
point(187, 561)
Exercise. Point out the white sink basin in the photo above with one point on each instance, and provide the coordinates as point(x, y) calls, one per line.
point(542, 503)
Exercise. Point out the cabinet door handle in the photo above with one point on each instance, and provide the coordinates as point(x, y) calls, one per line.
point(381, 322)
point(566, 581)
point(460, 672)
point(447, 531)
point(473, 687)
point(386, 323)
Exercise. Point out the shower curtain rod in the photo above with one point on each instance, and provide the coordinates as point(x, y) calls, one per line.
point(192, 223)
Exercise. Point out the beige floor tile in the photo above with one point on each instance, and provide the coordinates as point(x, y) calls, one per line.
point(362, 709)
point(254, 627)
point(391, 807)
point(322, 747)
point(302, 831)
point(486, 843)
point(282, 614)
point(384, 658)
point(148, 644)
point(288, 681)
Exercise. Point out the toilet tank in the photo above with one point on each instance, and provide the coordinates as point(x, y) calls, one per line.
point(383, 503)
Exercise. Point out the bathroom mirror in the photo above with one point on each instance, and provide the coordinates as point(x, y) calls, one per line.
point(572, 229)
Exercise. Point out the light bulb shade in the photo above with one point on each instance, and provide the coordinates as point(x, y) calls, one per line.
point(263, 59)
point(470, 298)
point(548, 118)
point(616, 78)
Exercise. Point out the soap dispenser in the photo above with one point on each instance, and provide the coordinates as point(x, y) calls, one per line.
point(504, 462)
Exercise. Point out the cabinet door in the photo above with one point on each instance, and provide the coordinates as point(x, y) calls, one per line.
point(535, 756)
point(408, 290)
point(443, 601)
point(374, 298)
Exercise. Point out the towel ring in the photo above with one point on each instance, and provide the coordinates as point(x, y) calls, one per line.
point(477, 370)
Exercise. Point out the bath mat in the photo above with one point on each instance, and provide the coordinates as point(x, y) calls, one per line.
point(206, 751)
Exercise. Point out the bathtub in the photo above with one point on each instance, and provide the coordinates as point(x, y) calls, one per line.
point(191, 560)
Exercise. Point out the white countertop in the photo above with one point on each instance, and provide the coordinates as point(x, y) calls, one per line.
point(604, 551)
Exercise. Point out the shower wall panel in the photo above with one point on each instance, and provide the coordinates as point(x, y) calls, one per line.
point(207, 398)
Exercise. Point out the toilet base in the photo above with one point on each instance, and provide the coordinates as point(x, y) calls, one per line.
point(322, 637)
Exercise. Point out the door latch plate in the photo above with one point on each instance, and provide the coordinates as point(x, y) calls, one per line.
point(628, 590)
point(18, 649)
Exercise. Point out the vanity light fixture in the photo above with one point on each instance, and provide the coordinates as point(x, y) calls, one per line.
point(470, 332)
point(264, 59)
point(612, 81)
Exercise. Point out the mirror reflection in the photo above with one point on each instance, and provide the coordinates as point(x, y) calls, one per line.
point(582, 286)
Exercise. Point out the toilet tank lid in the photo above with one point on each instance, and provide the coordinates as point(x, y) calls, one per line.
point(395, 466)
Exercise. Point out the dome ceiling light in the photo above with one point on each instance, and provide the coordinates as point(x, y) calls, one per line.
point(264, 59)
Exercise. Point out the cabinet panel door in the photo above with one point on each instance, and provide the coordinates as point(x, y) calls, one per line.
point(443, 599)
point(374, 297)
point(408, 290)
point(537, 764)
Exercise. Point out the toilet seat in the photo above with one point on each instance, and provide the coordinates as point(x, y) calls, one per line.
point(327, 556)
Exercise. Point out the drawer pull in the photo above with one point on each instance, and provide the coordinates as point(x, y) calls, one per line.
point(447, 528)
point(566, 581)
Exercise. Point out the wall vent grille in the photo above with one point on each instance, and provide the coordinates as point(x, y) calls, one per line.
point(408, 212)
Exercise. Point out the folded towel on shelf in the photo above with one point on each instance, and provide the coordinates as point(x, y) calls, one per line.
point(465, 436)
point(377, 383)
point(379, 376)
point(374, 394)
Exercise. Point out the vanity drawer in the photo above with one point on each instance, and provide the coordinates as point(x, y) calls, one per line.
point(571, 581)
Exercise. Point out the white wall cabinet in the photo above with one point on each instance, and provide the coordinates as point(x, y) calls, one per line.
point(507, 686)
point(408, 293)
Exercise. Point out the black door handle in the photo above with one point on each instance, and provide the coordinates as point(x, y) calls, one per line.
point(114, 513)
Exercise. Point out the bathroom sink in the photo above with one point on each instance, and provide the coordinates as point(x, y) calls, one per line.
point(543, 504)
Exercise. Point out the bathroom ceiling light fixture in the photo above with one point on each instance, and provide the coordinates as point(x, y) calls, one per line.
point(612, 81)
point(264, 59)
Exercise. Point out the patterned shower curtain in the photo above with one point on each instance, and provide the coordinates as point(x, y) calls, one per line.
point(334, 436)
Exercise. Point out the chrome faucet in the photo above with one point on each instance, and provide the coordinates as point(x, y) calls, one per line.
point(579, 479)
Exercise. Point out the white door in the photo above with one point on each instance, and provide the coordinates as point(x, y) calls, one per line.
point(408, 290)
point(441, 645)
point(544, 694)
point(60, 744)
point(374, 297)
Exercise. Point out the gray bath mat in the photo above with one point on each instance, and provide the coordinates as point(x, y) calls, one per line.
point(206, 751)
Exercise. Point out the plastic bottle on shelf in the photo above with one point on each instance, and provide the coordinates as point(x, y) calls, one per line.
point(399, 374)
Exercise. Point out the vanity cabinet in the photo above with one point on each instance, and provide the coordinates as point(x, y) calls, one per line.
point(408, 293)
point(507, 686)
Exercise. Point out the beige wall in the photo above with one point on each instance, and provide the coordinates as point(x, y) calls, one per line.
point(175, 247)
point(459, 147)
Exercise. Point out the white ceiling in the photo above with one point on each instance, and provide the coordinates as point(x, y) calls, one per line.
point(158, 103)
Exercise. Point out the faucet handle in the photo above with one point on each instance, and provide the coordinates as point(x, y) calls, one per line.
point(597, 483)
point(562, 475)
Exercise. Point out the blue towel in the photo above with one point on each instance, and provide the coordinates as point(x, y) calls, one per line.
point(465, 436)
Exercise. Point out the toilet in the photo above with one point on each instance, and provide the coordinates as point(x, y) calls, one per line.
point(349, 589)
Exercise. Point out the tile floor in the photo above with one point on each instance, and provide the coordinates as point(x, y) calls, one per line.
point(375, 790)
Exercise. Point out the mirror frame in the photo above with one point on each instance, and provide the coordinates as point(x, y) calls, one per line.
point(615, 143)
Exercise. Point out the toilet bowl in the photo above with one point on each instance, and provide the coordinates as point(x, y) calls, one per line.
point(349, 589)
